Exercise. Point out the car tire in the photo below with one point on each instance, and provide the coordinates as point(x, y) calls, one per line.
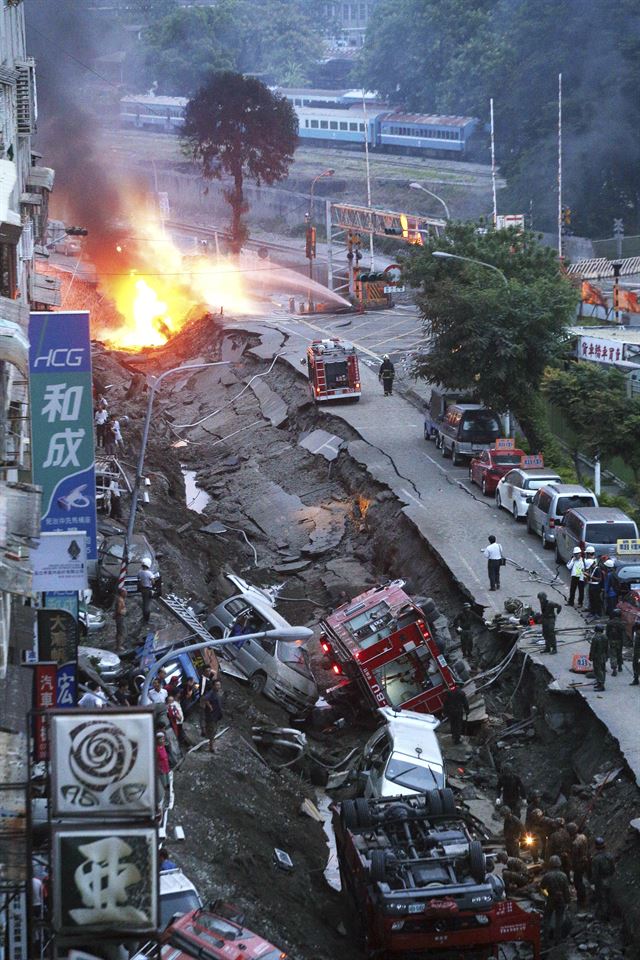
point(378, 867)
point(434, 801)
point(477, 861)
point(349, 815)
point(498, 499)
point(514, 512)
point(471, 474)
point(483, 487)
point(363, 813)
point(456, 459)
point(530, 529)
point(558, 556)
point(258, 681)
point(545, 543)
point(448, 801)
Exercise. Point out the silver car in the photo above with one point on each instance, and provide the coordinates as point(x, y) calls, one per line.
point(549, 506)
point(279, 669)
point(403, 757)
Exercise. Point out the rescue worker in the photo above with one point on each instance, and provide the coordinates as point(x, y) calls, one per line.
point(595, 580)
point(512, 830)
point(575, 566)
point(609, 590)
point(589, 565)
point(455, 707)
point(464, 625)
point(635, 663)
point(555, 886)
point(145, 588)
point(580, 862)
point(386, 373)
point(559, 845)
point(510, 788)
point(615, 638)
point(598, 656)
point(515, 874)
point(548, 609)
point(120, 613)
point(540, 828)
point(602, 870)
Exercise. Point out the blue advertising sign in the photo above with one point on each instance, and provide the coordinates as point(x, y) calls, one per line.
point(66, 686)
point(62, 422)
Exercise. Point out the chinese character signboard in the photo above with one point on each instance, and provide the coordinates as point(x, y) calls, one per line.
point(625, 548)
point(105, 881)
point(57, 636)
point(60, 562)
point(44, 697)
point(64, 605)
point(62, 422)
point(505, 443)
point(103, 764)
point(603, 351)
point(532, 461)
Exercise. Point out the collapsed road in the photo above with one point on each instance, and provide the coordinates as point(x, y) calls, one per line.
point(292, 503)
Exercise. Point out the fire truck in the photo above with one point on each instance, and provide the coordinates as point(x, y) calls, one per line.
point(334, 373)
point(380, 644)
point(416, 871)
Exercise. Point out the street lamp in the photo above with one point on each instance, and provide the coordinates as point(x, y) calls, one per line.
point(287, 634)
point(443, 255)
point(418, 186)
point(310, 228)
point(145, 436)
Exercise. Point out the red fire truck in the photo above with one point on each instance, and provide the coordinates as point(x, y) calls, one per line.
point(380, 644)
point(334, 373)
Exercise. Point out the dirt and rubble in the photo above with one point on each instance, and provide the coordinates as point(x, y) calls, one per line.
point(323, 531)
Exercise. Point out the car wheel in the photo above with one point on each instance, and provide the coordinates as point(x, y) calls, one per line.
point(456, 459)
point(471, 473)
point(545, 543)
point(434, 801)
point(378, 868)
point(349, 814)
point(426, 433)
point(443, 450)
point(483, 487)
point(258, 682)
point(558, 557)
point(514, 511)
point(448, 801)
point(363, 812)
point(498, 499)
point(477, 861)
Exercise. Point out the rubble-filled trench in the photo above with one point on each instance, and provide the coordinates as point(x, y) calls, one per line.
point(323, 530)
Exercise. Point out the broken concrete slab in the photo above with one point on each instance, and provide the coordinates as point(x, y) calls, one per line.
point(270, 343)
point(322, 442)
point(293, 566)
point(329, 526)
point(232, 348)
point(272, 406)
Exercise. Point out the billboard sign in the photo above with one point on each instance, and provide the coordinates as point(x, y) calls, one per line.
point(105, 881)
point(103, 764)
point(44, 697)
point(60, 562)
point(62, 422)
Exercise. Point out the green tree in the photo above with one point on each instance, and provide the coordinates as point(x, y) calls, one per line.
point(489, 334)
point(236, 126)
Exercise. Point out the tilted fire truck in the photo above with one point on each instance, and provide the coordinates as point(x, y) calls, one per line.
point(381, 643)
point(417, 875)
point(334, 373)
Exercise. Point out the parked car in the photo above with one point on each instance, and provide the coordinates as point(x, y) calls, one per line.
point(436, 407)
point(92, 619)
point(104, 663)
point(67, 246)
point(597, 527)
point(629, 605)
point(178, 896)
point(403, 757)
point(466, 430)
point(491, 465)
point(279, 669)
point(550, 504)
point(516, 489)
point(110, 555)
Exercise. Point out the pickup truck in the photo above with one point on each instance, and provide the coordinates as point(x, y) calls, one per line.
point(421, 885)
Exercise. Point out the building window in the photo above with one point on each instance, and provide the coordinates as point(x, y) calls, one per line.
point(324, 124)
point(298, 103)
point(343, 125)
point(314, 124)
point(8, 270)
point(362, 128)
point(333, 125)
point(363, 11)
point(353, 126)
point(306, 123)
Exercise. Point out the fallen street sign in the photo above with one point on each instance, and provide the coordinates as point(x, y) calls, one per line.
point(63, 455)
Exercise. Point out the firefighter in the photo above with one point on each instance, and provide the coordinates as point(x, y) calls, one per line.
point(636, 654)
point(515, 875)
point(455, 707)
point(386, 373)
point(464, 625)
point(602, 870)
point(598, 656)
point(555, 886)
point(548, 610)
point(615, 639)
point(580, 862)
point(512, 830)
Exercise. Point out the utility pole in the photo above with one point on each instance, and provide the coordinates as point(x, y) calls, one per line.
point(493, 168)
point(618, 234)
point(560, 166)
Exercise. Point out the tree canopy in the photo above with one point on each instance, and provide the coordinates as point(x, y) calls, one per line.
point(277, 38)
point(455, 55)
point(235, 126)
point(492, 334)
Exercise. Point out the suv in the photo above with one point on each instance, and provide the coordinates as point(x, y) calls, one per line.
point(516, 490)
point(435, 408)
point(597, 527)
point(550, 504)
point(466, 430)
point(403, 757)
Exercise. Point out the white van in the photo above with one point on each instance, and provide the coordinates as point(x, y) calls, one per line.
point(403, 757)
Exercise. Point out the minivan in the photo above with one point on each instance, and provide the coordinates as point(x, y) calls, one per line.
point(597, 527)
point(550, 504)
point(279, 669)
point(466, 430)
point(436, 407)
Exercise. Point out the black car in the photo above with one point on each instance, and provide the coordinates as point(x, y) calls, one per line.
point(110, 555)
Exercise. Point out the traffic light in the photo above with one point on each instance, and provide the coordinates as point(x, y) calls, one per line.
point(76, 231)
point(393, 231)
point(311, 243)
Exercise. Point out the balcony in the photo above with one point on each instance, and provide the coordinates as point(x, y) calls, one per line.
point(44, 289)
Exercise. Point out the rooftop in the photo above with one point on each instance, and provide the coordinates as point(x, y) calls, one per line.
point(430, 118)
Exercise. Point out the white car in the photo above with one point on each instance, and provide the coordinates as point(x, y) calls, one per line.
point(403, 757)
point(516, 490)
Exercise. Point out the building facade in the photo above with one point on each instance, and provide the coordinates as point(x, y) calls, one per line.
point(349, 19)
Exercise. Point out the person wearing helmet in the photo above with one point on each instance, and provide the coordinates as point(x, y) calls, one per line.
point(145, 588)
point(575, 566)
point(594, 577)
point(512, 830)
point(598, 655)
point(603, 868)
point(510, 788)
point(548, 610)
point(464, 623)
point(386, 373)
point(615, 638)
point(580, 862)
point(609, 586)
point(554, 884)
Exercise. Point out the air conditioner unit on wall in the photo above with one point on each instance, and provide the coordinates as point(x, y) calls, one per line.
point(26, 110)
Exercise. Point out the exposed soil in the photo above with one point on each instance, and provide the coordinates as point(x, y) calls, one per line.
point(324, 531)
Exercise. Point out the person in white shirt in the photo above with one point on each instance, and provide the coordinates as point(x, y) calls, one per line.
point(157, 693)
point(92, 699)
point(493, 553)
point(575, 566)
point(101, 417)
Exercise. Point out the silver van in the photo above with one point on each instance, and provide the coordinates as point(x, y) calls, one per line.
point(597, 527)
point(466, 430)
point(279, 669)
point(550, 504)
